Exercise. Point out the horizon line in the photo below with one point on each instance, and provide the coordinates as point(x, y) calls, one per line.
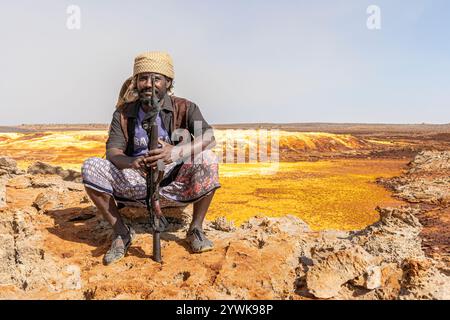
point(237, 123)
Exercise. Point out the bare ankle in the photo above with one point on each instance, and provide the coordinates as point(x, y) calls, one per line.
point(195, 226)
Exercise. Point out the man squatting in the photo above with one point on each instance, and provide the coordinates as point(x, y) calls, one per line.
point(190, 167)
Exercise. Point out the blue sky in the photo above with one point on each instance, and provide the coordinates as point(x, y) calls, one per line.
point(240, 61)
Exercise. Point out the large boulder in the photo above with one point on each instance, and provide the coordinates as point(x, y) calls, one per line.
point(8, 166)
point(23, 261)
point(333, 267)
point(422, 280)
point(430, 162)
point(394, 237)
point(45, 168)
point(426, 181)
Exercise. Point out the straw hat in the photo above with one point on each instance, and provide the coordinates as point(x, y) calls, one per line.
point(155, 62)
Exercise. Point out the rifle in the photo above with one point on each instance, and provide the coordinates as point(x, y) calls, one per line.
point(154, 176)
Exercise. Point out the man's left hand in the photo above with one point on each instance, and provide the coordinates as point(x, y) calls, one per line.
point(164, 153)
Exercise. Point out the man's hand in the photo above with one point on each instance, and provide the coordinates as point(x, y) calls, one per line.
point(164, 153)
point(138, 163)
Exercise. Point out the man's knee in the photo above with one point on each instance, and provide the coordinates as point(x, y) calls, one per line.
point(90, 165)
point(206, 157)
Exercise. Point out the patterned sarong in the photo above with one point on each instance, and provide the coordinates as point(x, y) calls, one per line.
point(182, 183)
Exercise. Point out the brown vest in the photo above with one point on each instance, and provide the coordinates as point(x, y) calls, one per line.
point(179, 120)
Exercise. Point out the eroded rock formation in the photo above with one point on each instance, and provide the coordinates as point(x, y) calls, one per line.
point(53, 240)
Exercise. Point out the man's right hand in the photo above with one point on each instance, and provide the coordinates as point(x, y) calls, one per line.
point(122, 161)
point(138, 163)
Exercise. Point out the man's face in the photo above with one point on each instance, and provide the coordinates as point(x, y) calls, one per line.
point(144, 85)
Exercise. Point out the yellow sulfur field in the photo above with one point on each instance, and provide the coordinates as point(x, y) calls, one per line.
point(338, 194)
point(327, 194)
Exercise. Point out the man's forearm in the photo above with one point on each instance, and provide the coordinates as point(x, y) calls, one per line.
point(121, 161)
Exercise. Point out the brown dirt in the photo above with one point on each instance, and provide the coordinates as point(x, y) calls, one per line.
point(436, 232)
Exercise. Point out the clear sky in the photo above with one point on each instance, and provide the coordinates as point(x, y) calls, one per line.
point(240, 61)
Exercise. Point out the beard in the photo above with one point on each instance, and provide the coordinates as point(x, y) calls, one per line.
point(147, 99)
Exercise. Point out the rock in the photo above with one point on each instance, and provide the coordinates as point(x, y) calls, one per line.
point(46, 181)
point(369, 280)
point(422, 280)
point(71, 175)
point(85, 199)
point(288, 224)
point(44, 168)
point(72, 274)
point(334, 267)
point(292, 225)
point(373, 278)
point(2, 192)
point(426, 181)
point(391, 276)
point(433, 191)
point(19, 182)
point(7, 163)
point(222, 224)
point(7, 262)
point(8, 166)
point(23, 262)
point(431, 162)
point(49, 181)
point(395, 237)
point(53, 199)
point(41, 200)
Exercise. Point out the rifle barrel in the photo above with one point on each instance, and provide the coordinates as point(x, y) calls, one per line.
point(156, 246)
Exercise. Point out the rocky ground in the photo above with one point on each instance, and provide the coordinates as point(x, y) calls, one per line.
point(426, 184)
point(52, 242)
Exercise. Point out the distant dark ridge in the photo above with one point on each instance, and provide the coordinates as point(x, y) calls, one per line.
point(54, 127)
point(351, 128)
point(70, 125)
point(296, 124)
point(360, 128)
